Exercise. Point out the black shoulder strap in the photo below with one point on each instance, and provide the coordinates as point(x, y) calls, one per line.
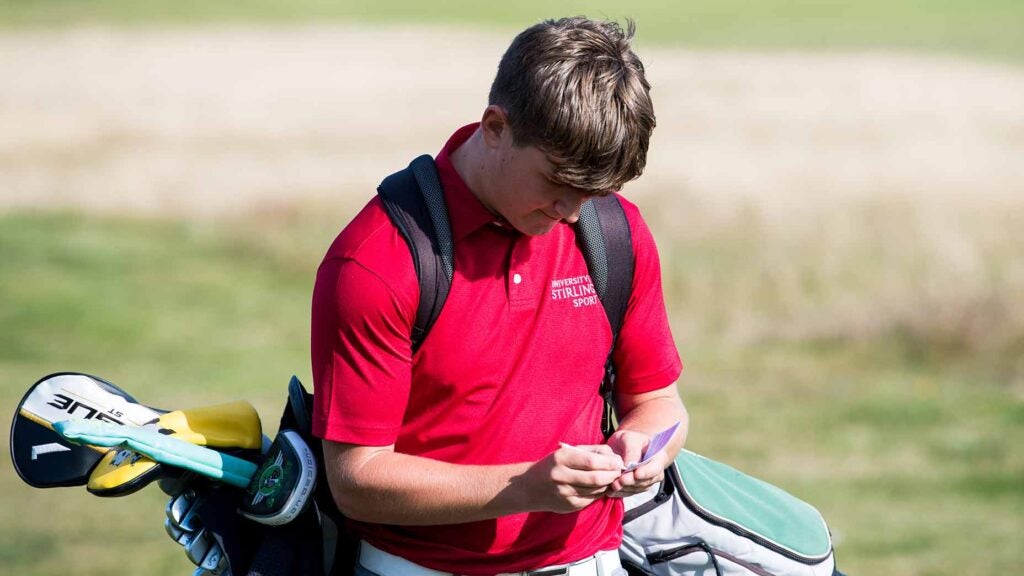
point(415, 203)
point(604, 238)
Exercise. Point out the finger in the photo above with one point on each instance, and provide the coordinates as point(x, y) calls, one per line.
point(632, 447)
point(585, 491)
point(601, 449)
point(631, 483)
point(628, 484)
point(619, 443)
point(622, 482)
point(584, 479)
point(650, 472)
point(588, 458)
point(626, 493)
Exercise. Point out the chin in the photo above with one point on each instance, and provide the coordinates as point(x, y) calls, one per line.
point(540, 229)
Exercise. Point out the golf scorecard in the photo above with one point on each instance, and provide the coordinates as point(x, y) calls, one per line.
point(656, 445)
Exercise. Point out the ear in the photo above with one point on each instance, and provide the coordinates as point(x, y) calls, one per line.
point(494, 126)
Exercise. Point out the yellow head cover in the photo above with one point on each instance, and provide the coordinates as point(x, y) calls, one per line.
point(232, 425)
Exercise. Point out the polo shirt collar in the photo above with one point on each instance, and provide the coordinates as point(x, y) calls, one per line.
point(465, 212)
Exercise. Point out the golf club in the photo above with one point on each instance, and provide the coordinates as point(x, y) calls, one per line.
point(214, 561)
point(196, 545)
point(42, 457)
point(174, 531)
point(179, 506)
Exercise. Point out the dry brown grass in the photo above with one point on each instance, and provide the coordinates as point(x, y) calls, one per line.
point(217, 120)
point(880, 190)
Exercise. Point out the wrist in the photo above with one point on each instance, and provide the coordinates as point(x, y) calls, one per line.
point(519, 492)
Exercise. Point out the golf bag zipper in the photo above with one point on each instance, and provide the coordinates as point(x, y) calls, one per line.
point(686, 550)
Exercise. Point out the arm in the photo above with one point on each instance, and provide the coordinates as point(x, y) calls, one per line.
point(379, 485)
point(646, 360)
point(643, 416)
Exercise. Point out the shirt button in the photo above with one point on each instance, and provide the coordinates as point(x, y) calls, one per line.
point(516, 278)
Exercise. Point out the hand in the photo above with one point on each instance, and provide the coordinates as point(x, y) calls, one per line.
point(630, 446)
point(572, 477)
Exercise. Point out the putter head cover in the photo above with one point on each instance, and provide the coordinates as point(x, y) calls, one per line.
point(282, 486)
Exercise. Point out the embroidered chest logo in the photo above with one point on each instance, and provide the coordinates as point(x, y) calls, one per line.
point(578, 289)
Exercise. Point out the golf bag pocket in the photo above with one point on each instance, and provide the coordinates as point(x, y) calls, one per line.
point(709, 519)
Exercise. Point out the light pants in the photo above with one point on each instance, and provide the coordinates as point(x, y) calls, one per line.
point(360, 571)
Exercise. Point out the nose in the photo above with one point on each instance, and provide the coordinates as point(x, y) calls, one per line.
point(568, 207)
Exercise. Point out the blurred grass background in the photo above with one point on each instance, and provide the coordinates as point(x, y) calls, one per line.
point(869, 360)
point(989, 27)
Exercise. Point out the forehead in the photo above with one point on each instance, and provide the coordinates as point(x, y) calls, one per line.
point(535, 157)
point(536, 160)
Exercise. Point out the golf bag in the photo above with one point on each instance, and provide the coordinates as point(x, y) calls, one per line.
point(708, 518)
point(316, 542)
point(240, 503)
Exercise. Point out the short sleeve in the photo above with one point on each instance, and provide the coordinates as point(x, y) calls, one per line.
point(645, 354)
point(361, 354)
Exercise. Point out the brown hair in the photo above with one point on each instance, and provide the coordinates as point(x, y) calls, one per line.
point(575, 89)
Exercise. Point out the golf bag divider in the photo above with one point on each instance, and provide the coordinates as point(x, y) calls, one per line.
point(708, 518)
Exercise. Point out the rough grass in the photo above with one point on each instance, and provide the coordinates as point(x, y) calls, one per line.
point(990, 28)
point(903, 429)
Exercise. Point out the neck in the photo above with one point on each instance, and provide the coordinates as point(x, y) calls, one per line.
point(469, 162)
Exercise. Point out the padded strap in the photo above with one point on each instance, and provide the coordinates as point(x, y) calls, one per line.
point(415, 203)
point(604, 238)
point(607, 246)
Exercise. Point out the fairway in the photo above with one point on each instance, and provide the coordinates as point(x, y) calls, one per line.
point(839, 233)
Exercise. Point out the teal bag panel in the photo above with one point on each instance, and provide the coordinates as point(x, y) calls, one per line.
point(738, 501)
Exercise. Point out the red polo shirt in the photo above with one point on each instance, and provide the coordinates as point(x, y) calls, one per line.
point(511, 367)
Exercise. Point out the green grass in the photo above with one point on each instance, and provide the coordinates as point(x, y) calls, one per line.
point(80, 292)
point(908, 444)
point(179, 315)
point(989, 28)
